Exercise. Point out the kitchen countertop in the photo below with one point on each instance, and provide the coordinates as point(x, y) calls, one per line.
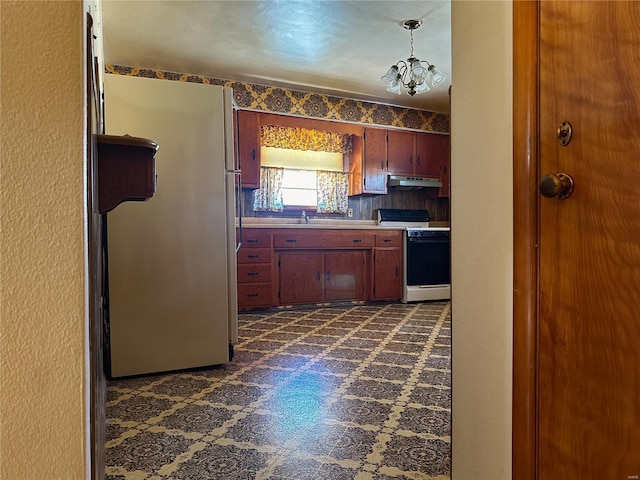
point(319, 223)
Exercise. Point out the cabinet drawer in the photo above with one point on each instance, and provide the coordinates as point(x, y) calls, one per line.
point(389, 239)
point(255, 239)
point(250, 295)
point(254, 255)
point(323, 240)
point(254, 273)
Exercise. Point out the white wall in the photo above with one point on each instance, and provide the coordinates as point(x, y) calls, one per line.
point(42, 289)
point(482, 231)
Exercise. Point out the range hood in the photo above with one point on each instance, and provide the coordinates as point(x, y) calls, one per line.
point(413, 182)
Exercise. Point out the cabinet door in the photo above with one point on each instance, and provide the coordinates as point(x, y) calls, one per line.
point(428, 154)
point(249, 148)
point(401, 146)
point(375, 160)
point(345, 275)
point(387, 274)
point(301, 277)
point(445, 170)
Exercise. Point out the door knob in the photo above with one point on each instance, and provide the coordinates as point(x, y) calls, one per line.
point(558, 186)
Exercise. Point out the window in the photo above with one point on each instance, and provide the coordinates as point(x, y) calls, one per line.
point(299, 188)
point(302, 168)
point(300, 179)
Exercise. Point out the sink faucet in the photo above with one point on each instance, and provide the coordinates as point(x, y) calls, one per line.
point(304, 215)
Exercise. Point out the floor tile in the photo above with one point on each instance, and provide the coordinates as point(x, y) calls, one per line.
point(349, 392)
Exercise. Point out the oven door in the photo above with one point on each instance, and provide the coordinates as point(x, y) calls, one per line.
point(428, 259)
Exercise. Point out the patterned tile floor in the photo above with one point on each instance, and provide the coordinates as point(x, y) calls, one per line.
point(350, 392)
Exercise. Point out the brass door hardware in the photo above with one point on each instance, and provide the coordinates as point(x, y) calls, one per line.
point(558, 186)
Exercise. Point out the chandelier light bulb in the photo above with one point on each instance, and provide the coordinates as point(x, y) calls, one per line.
point(391, 77)
point(422, 87)
point(436, 75)
point(418, 72)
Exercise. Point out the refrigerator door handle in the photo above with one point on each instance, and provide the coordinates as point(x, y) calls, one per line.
point(238, 194)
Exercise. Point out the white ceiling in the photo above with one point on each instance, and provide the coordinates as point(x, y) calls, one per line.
point(336, 47)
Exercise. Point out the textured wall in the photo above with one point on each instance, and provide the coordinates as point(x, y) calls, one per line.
point(482, 237)
point(42, 392)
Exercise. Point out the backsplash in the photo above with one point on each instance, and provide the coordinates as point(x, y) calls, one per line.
point(294, 102)
point(365, 207)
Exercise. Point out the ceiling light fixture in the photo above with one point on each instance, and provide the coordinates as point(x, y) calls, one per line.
point(412, 74)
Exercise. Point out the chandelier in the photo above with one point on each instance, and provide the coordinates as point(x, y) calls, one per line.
point(415, 75)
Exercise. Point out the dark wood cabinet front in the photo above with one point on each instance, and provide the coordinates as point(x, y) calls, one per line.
point(345, 275)
point(428, 154)
point(301, 277)
point(414, 153)
point(401, 152)
point(255, 270)
point(387, 266)
point(445, 168)
point(375, 161)
point(249, 148)
point(279, 266)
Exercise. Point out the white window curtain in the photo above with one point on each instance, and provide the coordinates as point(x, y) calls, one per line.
point(333, 192)
point(268, 198)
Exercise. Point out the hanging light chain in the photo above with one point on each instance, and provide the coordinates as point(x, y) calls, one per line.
point(411, 33)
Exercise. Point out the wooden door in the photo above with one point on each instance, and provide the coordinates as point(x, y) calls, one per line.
point(301, 277)
point(401, 151)
point(345, 275)
point(586, 386)
point(428, 154)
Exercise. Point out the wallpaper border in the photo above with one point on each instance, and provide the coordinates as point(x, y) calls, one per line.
point(294, 102)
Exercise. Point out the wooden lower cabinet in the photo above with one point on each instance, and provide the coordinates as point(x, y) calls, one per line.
point(345, 275)
point(315, 277)
point(387, 274)
point(255, 268)
point(387, 266)
point(290, 267)
point(301, 277)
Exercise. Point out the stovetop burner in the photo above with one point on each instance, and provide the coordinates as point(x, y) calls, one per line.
point(397, 217)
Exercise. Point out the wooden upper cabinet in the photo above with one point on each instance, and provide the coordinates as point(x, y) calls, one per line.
point(445, 169)
point(401, 152)
point(249, 148)
point(368, 162)
point(428, 154)
point(414, 153)
point(375, 161)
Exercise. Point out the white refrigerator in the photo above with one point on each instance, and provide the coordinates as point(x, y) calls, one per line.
point(172, 260)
